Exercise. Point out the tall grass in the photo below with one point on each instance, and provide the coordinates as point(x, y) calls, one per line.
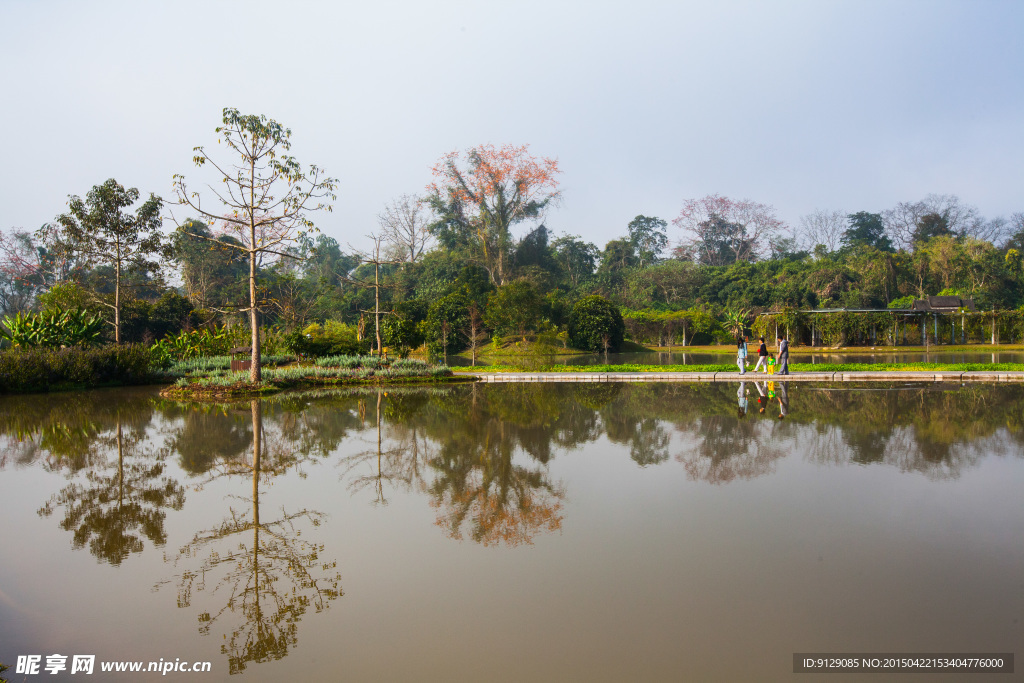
point(213, 363)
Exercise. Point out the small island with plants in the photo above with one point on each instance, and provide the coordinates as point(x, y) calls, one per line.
point(213, 378)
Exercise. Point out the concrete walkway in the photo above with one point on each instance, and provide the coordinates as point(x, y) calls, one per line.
point(858, 376)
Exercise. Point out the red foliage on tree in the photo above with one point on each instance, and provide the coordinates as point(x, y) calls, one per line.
point(480, 200)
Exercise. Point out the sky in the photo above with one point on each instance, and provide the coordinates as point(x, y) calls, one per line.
point(850, 106)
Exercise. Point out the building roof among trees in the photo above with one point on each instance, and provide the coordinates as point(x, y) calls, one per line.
point(944, 304)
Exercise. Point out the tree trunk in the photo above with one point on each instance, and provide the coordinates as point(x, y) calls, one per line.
point(254, 321)
point(376, 304)
point(254, 366)
point(117, 302)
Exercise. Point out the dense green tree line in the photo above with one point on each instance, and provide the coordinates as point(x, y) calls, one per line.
point(474, 261)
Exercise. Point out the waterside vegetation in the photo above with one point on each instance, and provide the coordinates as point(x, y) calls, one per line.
point(218, 383)
point(472, 267)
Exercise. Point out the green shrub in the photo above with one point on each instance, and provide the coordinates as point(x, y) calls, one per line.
point(514, 308)
point(445, 325)
point(596, 325)
point(24, 370)
point(330, 339)
point(402, 331)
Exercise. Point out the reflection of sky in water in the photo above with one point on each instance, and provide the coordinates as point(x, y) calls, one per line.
point(542, 532)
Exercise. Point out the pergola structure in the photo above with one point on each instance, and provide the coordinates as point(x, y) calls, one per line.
point(921, 308)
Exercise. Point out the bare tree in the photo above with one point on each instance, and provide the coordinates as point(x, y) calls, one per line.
point(995, 230)
point(403, 225)
point(375, 257)
point(822, 227)
point(903, 221)
point(719, 230)
point(31, 263)
point(475, 328)
point(265, 198)
point(1017, 222)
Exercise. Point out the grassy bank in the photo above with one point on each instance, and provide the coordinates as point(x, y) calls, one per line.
point(944, 348)
point(514, 348)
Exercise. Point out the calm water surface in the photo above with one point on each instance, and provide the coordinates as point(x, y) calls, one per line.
point(604, 532)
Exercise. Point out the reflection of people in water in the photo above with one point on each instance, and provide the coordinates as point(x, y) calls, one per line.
point(782, 394)
point(762, 398)
point(741, 397)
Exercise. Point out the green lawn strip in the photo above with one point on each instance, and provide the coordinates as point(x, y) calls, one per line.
point(731, 367)
point(197, 390)
point(851, 350)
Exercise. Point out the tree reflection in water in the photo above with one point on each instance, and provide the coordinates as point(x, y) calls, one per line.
point(481, 455)
point(69, 431)
point(272, 578)
point(385, 465)
point(114, 510)
point(481, 482)
point(482, 452)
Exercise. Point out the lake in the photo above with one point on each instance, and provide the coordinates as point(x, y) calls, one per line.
point(541, 532)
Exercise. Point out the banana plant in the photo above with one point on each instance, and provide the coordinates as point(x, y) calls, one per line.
point(188, 345)
point(52, 329)
point(736, 319)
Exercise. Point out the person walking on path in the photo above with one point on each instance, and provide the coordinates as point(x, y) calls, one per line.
point(762, 357)
point(783, 366)
point(741, 353)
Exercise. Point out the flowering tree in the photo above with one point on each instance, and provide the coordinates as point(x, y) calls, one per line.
point(720, 231)
point(480, 200)
point(264, 199)
point(21, 270)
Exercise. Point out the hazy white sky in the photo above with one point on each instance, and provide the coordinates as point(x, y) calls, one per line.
point(802, 105)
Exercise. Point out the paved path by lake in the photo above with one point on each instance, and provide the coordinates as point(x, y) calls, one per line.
point(849, 376)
